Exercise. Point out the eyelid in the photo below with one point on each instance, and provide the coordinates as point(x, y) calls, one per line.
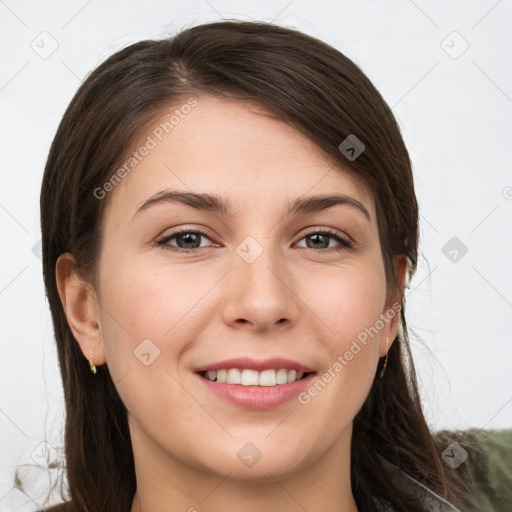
point(189, 229)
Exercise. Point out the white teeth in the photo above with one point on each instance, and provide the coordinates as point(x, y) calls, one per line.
point(248, 377)
point(234, 376)
point(268, 378)
point(282, 376)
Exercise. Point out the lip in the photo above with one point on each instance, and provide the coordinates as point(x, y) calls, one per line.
point(274, 363)
point(256, 397)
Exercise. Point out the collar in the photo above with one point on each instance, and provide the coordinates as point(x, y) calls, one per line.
point(432, 502)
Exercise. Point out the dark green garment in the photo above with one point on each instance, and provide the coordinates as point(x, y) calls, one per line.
point(487, 471)
point(489, 466)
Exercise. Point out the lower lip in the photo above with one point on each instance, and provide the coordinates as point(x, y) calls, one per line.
point(257, 397)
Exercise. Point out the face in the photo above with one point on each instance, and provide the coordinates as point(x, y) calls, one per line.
point(185, 289)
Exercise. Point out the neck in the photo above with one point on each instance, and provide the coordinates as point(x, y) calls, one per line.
point(165, 483)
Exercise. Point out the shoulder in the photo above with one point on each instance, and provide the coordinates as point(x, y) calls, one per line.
point(489, 465)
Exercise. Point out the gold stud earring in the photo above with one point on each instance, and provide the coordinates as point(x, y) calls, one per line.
point(92, 366)
point(381, 374)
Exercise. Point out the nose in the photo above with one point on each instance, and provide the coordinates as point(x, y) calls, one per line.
point(260, 292)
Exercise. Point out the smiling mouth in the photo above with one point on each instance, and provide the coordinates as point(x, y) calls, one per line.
point(249, 377)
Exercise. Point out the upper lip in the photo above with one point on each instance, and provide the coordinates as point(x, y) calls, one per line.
point(274, 363)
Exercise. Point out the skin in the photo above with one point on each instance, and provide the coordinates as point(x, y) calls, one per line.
point(302, 299)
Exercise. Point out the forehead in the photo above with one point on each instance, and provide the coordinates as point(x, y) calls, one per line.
point(230, 148)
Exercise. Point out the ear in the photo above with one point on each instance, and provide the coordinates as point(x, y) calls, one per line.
point(81, 306)
point(392, 308)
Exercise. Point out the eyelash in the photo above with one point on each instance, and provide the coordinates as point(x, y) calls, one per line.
point(163, 241)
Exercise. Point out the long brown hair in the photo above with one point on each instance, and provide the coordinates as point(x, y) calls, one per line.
point(320, 92)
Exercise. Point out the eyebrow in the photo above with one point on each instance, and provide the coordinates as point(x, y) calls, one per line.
point(217, 204)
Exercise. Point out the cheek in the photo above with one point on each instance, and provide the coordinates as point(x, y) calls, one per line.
point(152, 315)
point(346, 302)
point(349, 308)
point(144, 320)
point(148, 301)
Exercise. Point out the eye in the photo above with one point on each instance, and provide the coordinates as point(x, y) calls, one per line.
point(321, 240)
point(187, 240)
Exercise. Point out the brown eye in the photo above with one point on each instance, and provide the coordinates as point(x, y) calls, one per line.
point(319, 240)
point(186, 240)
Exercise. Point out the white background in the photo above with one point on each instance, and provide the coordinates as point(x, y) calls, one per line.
point(455, 111)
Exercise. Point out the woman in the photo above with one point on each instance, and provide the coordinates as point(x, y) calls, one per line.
point(228, 222)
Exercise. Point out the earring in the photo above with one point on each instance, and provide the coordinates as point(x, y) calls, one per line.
point(92, 366)
point(381, 374)
point(400, 332)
